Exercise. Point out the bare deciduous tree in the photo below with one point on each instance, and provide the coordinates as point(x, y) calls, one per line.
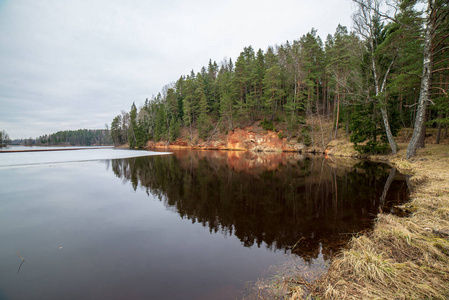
point(365, 25)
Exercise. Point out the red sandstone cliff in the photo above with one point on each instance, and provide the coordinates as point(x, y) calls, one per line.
point(246, 139)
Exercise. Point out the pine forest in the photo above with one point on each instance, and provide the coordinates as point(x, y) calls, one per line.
point(390, 72)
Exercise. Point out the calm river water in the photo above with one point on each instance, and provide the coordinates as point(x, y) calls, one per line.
point(190, 225)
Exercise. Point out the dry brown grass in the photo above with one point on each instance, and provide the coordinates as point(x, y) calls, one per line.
point(341, 148)
point(402, 258)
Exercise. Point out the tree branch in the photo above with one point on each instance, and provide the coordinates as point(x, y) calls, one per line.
point(442, 16)
point(408, 73)
point(439, 50)
point(387, 72)
point(439, 88)
point(383, 15)
point(438, 70)
point(441, 61)
point(441, 41)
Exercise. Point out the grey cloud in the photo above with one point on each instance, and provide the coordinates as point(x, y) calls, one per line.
point(76, 64)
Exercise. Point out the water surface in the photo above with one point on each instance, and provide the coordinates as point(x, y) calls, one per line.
point(192, 225)
point(54, 155)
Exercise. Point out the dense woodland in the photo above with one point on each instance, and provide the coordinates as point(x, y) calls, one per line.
point(81, 137)
point(390, 72)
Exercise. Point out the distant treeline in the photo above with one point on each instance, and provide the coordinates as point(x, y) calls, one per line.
point(81, 137)
point(4, 138)
point(390, 72)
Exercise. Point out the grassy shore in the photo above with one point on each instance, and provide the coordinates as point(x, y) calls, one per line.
point(403, 257)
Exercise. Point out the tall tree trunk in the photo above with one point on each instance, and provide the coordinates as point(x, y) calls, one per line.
point(328, 103)
point(322, 134)
point(425, 83)
point(338, 114)
point(317, 98)
point(324, 97)
point(347, 117)
point(313, 125)
point(390, 137)
point(347, 124)
point(439, 129)
point(368, 11)
point(383, 110)
point(422, 138)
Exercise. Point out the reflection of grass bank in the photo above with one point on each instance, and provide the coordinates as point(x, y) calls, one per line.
point(403, 258)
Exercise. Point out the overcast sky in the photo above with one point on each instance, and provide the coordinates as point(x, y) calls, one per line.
point(67, 65)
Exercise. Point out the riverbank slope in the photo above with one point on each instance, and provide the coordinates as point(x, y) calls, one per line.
point(250, 138)
point(403, 257)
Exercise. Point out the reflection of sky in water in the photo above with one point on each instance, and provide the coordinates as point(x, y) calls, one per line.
point(87, 234)
point(269, 200)
point(50, 157)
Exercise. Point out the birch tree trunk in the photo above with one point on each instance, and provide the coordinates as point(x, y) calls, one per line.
point(390, 137)
point(425, 83)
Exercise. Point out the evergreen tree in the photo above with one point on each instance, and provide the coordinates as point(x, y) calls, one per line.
point(257, 74)
point(224, 80)
point(242, 83)
point(116, 130)
point(369, 76)
point(203, 125)
point(312, 56)
point(132, 126)
point(4, 138)
point(174, 129)
point(189, 104)
point(273, 91)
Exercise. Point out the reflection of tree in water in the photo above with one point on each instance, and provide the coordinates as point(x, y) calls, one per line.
point(295, 198)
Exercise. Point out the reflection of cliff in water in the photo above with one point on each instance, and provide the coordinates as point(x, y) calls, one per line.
point(276, 199)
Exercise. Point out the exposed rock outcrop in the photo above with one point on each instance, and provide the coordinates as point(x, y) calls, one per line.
point(245, 139)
